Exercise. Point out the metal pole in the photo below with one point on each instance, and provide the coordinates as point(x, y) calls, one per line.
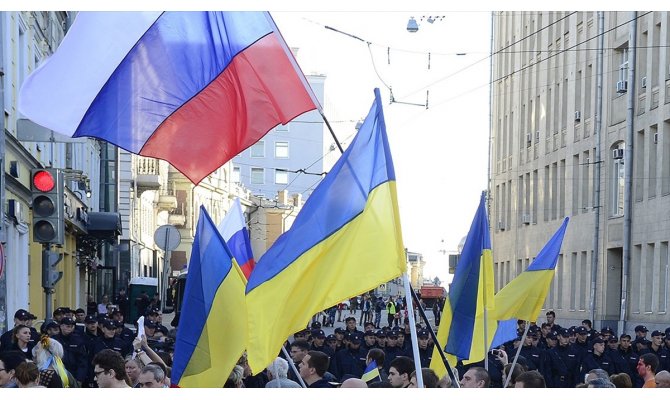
point(48, 292)
point(412, 330)
point(166, 265)
point(292, 364)
point(516, 356)
point(596, 134)
point(332, 132)
point(437, 344)
point(3, 232)
point(628, 172)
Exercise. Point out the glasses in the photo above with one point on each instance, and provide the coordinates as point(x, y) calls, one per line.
point(97, 373)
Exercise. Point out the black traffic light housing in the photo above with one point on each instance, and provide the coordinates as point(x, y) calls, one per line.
point(46, 185)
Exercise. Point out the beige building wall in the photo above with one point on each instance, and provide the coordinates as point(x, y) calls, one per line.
point(543, 159)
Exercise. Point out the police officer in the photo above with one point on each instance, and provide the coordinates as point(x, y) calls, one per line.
point(533, 355)
point(627, 352)
point(318, 343)
point(582, 341)
point(640, 338)
point(351, 361)
point(425, 350)
point(370, 341)
point(156, 317)
point(570, 358)
point(109, 340)
point(596, 360)
point(21, 317)
point(75, 355)
point(391, 350)
point(659, 350)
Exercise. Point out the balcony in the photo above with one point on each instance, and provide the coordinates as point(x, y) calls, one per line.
point(166, 202)
point(148, 174)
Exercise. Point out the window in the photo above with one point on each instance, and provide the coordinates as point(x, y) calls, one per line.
point(257, 176)
point(236, 174)
point(617, 188)
point(281, 177)
point(258, 149)
point(281, 149)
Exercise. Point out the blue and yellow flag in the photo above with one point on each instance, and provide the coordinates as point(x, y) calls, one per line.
point(213, 327)
point(524, 296)
point(345, 241)
point(371, 373)
point(461, 330)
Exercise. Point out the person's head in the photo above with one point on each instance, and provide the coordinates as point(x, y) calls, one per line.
point(331, 341)
point(518, 370)
point(133, 367)
point(422, 337)
point(23, 317)
point(108, 329)
point(80, 315)
point(21, 335)
point(353, 383)
point(355, 341)
point(621, 380)
point(351, 323)
point(657, 338)
point(625, 341)
point(109, 368)
point(641, 331)
point(105, 299)
point(613, 343)
point(595, 374)
point(530, 379)
point(601, 383)
point(369, 327)
point(598, 346)
point(663, 379)
point(152, 376)
point(587, 324)
point(9, 361)
point(647, 364)
point(551, 316)
point(370, 338)
point(299, 350)
point(278, 369)
point(400, 370)
point(27, 374)
point(66, 326)
point(91, 324)
point(45, 351)
point(429, 378)
point(376, 355)
point(476, 377)
point(235, 378)
point(314, 366)
point(381, 338)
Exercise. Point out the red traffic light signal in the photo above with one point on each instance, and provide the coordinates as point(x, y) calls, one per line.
point(43, 181)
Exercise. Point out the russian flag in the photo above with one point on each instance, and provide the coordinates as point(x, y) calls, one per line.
point(192, 88)
point(234, 231)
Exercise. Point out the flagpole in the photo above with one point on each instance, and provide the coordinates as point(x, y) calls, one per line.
point(330, 128)
point(516, 356)
point(435, 341)
point(292, 364)
point(412, 329)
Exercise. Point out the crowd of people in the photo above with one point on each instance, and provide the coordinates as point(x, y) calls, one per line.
point(74, 349)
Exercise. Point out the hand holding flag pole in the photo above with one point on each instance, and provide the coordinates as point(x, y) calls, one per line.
point(516, 356)
point(292, 364)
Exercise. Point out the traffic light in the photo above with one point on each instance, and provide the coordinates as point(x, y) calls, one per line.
point(50, 275)
point(46, 185)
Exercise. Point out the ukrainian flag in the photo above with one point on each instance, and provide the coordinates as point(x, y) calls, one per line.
point(213, 327)
point(461, 329)
point(371, 372)
point(345, 241)
point(524, 296)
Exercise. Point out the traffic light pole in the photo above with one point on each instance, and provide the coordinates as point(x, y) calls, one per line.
point(49, 276)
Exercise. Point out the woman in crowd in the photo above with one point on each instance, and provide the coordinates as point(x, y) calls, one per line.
point(48, 354)
point(21, 340)
point(28, 375)
point(133, 368)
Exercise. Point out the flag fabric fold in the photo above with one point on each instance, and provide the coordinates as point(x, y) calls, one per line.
point(345, 241)
point(371, 373)
point(523, 297)
point(461, 330)
point(233, 229)
point(192, 88)
point(212, 332)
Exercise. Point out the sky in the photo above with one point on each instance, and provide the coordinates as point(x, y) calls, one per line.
point(440, 153)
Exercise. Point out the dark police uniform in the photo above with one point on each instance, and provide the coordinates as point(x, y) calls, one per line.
point(75, 354)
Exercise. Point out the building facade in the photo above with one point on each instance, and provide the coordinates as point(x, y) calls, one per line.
point(547, 155)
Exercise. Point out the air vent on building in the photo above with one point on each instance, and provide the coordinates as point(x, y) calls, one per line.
point(622, 86)
point(578, 115)
point(526, 219)
point(617, 154)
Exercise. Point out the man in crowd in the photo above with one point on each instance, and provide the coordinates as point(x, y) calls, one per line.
point(152, 376)
point(400, 371)
point(312, 369)
point(530, 379)
point(476, 377)
point(663, 379)
point(646, 368)
point(277, 374)
point(299, 349)
point(351, 361)
point(658, 349)
point(109, 369)
point(597, 359)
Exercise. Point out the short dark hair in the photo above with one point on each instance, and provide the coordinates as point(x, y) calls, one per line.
point(482, 375)
point(319, 361)
point(651, 360)
point(12, 359)
point(301, 344)
point(588, 322)
point(429, 376)
point(518, 370)
point(349, 319)
point(377, 355)
point(404, 365)
point(531, 379)
point(111, 360)
point(551, 313)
